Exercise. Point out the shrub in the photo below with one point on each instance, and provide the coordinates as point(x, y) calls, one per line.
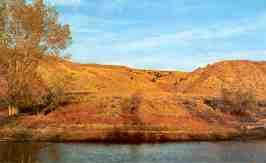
point(130, 108)
point(238, 101)
point(50, 97)
point(55, 94)
point(3, 102)
point(131, 104)
point(27, 99)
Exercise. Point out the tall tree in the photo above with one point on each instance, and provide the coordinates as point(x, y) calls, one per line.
point(30, 31)
point(2, 18)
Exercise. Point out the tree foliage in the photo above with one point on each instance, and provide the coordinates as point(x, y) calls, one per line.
point(29, 31)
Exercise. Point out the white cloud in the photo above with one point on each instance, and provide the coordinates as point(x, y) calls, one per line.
point(115, 4)
point(219, 31)
point(64, 2)
point(192, 62)
point(247, 53)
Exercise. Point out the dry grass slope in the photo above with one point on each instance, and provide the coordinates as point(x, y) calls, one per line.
point(170, 101)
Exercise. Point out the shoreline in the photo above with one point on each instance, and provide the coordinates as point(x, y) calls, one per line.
point(131, 136)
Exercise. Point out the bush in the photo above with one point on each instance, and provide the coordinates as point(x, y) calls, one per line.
point(50, 97)
point(25, 100)
point(131, 104)
point(55, 94)
point(3, 102)
point(130, 108)
point(239, 101)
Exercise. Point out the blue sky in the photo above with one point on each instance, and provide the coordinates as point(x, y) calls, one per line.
point(164, 34)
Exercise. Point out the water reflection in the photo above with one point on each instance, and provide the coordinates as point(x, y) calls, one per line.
point(26, 152)
point(221, 152)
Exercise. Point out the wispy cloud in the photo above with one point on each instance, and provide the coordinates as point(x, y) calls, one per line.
point(64, 2)
point(191, 62)
point(115, 4)
point(218, 31)
point(164, 34)
point(105, 6)
point(241, 54)
point(121, 6)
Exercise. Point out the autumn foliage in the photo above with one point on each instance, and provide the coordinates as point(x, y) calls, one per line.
point(29, 31)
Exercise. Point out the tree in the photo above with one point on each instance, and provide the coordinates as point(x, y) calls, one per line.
point(30, 31)
point(2, 18)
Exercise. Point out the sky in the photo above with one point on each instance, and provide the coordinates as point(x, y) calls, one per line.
point(164, 34)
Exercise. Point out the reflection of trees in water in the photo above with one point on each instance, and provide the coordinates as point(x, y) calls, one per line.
point(26, 152)
point(54, 153)
point(19, 152)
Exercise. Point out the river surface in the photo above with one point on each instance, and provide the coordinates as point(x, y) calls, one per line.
point(220, 152)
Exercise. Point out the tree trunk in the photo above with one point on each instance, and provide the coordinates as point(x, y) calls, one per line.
point(12, 110)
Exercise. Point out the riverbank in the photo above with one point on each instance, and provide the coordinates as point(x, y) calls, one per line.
point(125, 134)
point(164, 119)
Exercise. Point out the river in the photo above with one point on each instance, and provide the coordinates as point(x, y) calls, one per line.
point(202, 152)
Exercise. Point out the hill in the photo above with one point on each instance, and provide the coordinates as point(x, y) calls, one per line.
point(107, 79)
point(169, 105)
point(229, 74)
point(121, 80)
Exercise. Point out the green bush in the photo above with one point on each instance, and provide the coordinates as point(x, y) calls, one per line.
point(55, 94)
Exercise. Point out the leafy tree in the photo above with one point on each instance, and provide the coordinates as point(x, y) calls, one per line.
point(30, 31)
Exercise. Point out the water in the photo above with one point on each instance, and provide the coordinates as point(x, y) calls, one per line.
point(220, 152)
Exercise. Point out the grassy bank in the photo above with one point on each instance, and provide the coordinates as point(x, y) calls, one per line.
point(125, 134)
point(113, 119)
